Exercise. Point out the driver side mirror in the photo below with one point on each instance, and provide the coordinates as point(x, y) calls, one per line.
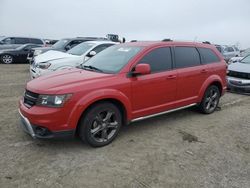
point(67, 48)
point(141, 69)
point(92, 53)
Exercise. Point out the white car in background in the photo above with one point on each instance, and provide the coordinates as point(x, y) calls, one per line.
point(55, 60)
point(240, 57)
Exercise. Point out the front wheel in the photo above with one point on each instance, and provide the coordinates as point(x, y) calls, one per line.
point(101, 124)
point(210, 100)
point(7, 59)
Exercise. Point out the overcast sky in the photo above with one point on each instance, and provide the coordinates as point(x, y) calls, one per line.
point(217, 21)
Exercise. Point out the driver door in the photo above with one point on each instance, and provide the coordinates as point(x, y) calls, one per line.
point(154, 92)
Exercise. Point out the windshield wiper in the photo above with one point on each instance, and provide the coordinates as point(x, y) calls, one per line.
point(89, 67)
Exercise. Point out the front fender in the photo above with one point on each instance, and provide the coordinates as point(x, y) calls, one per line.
point(209, 81)
point(95, 96)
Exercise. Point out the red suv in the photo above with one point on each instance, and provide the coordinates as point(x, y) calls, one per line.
point(124, 83)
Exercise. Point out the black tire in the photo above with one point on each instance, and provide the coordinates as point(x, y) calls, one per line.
point(7, 59)
point(101, 124)
point(210, 100)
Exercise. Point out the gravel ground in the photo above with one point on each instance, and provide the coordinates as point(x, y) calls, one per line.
point(181, 149)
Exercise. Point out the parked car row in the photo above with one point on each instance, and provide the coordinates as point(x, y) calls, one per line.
point(55, 60)
point(42, 46)
point(121, 84)
point(228, 51)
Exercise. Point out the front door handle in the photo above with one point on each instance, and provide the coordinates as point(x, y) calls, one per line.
point(204, 71)
point(171, 77)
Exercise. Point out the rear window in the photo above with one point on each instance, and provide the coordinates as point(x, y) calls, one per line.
point(208, 56)
point(36, 41)
point(186, 57)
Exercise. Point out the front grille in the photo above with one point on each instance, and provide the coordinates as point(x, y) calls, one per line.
point(239, 74)
point(30, 98)
point(31, 53)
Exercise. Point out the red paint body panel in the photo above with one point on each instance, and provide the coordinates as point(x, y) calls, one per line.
point(141, 95)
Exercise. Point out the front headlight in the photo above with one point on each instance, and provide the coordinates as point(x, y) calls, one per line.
point(37, 52)
point(43, 65)
point(53, 100)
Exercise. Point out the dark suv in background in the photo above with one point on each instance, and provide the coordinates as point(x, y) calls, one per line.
point(14, 42)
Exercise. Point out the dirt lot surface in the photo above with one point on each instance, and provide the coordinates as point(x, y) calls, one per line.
point(181, 149)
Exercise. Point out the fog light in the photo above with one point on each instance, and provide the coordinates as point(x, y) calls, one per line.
point(41, 131)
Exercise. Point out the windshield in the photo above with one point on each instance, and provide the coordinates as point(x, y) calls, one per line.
point(246, 52)
point(246, 60)
point(60, 44)
point(113, 59)
point(81, 48)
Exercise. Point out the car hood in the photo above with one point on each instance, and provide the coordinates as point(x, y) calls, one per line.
point(64, 80)
point(7, 50)
point(235, 59)
point(239, 67)
point(69, 61)
point(52, 55)
point(9, 46)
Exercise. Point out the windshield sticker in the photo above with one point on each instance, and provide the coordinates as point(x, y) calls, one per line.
point(124, 49)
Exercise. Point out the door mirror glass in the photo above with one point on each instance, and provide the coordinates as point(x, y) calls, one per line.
point(141, 69)
point(91, 54)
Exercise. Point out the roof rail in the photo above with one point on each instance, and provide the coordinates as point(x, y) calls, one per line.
point(167, 40)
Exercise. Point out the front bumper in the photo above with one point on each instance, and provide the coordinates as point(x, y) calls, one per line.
point(45, 125)
point(238, 85)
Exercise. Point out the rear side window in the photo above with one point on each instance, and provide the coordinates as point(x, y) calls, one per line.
point(159, 59)
point(36, 41)
point(186, 57)
point(208, 56)
point(21, 40)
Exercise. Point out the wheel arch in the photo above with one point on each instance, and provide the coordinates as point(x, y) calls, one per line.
point(116, 102)
point(107, 95)
point(212, 80)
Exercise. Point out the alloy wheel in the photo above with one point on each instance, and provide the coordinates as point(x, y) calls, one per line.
point(7, 59)
point(104, 126)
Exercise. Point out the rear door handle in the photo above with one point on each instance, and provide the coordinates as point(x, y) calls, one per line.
point(171, 77)
point(204, 71)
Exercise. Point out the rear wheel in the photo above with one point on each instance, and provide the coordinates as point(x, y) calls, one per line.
point(101, 124)
point(210, 100)
point(6, 59)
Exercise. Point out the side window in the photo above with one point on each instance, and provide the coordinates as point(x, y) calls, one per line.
point(186, 57)
point(9, 41)
point(229, 49)
point(36, 41)
point(21, 40)
point(159, 59)
point(208, 56)
point(101, 47)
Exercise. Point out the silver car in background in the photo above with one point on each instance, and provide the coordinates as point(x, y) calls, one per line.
point(228, 51)
point(238, 76)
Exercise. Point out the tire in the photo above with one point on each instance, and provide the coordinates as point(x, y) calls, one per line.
point(101, 124)
point(210, 100)
point(7, 59)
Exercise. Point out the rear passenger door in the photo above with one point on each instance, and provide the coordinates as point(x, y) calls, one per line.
point(153, 92)
point(191, 74)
